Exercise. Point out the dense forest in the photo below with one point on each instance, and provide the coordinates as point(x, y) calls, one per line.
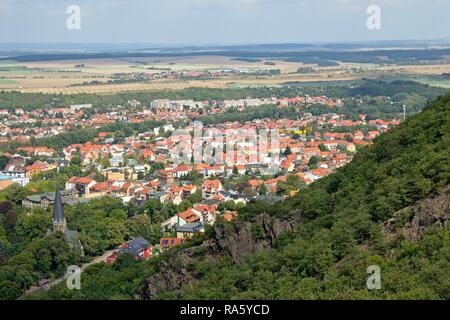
point(323, 57)
point(389, 207)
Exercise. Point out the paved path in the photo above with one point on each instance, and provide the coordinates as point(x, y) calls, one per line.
point(96, 260)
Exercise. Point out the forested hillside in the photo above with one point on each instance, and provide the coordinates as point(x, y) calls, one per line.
point(390, 207)
point(367, 213)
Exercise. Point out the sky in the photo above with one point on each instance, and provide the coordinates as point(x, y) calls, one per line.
point(212, 22)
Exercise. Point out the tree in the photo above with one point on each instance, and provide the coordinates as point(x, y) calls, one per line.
point(184, 205)
point(249, 191)
point(194, 177)
point(76, 160)
point(282, 188)
point(3, 257)
point(9, 219)
point(105, 163)
point(313, 161)
point(227, 205)
point(168, 211)
point(118, 214)
point(323, 148)
point(287, 151)
point(151, 207)
point(156, 167)
point(3, 161)
point(44, 262)
point(133, 209)
point(195, 197)
point(263, 189)
point(33, 225)
point(294, 181)
point(140, 226)
point(9, 290)
point(16, 193)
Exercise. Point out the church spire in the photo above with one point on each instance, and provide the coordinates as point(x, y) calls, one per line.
point(59, 222)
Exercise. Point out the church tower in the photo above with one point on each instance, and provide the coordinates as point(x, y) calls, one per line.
point(58, 221)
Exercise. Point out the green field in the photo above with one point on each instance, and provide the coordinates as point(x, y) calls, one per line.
point(431, 80)
point(7, 81)
point(436, 82)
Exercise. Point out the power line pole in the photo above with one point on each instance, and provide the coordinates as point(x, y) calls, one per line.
point(404, 112)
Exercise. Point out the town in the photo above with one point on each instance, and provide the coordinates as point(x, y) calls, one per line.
point(140, 167)
point(206, 151)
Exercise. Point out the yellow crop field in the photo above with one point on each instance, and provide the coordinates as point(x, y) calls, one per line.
point(77, 76)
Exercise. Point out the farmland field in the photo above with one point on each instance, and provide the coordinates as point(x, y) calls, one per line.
point(96, 75)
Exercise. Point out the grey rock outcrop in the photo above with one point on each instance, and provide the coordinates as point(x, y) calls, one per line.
point(233, 240)
point(412, 221)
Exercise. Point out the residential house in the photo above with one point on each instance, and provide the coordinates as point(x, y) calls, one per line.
point(82, 185)
point(19, 177)
point(37, 167)
point(189, 216)
point(167, 243)
point(138, 248)
point(211, 188)
point(45, 199)
point(188, 230)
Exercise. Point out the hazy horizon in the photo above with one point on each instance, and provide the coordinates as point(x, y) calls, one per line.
point(221, 22)
point(310, 46)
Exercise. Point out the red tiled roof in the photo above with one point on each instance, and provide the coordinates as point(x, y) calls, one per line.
point(189, 216)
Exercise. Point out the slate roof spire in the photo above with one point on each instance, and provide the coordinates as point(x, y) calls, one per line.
point(58, 210)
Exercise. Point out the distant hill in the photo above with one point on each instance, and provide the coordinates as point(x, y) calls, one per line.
point(325, 55)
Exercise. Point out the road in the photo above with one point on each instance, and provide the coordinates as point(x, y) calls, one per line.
point(96, 260)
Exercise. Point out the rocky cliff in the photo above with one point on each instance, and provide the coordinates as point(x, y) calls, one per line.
point(233, 240)
point(412, 221)
point(238, 240)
